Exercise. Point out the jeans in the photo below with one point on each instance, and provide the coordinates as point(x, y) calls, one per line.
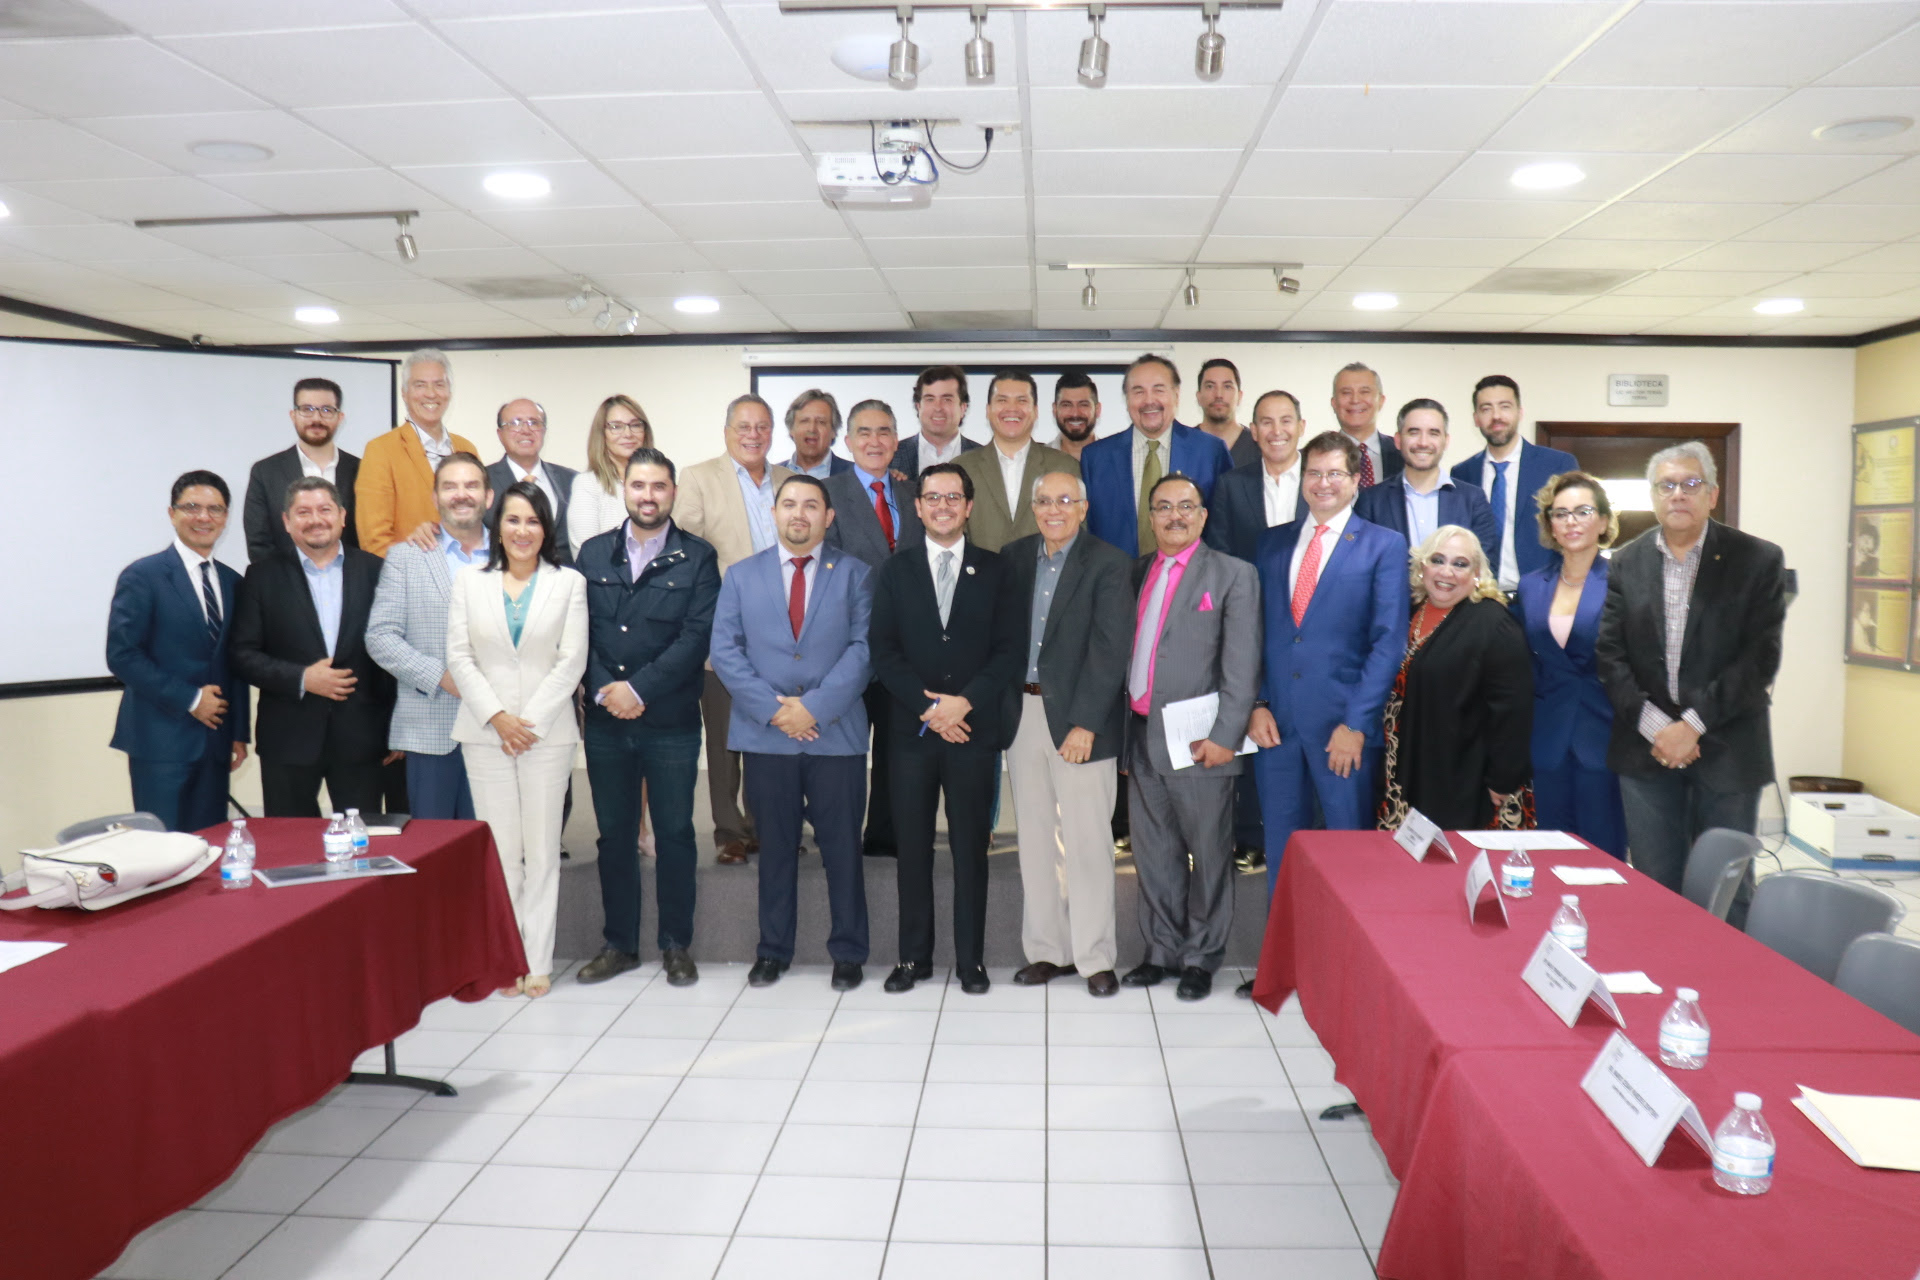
point(1667, 811)
point(622, 754)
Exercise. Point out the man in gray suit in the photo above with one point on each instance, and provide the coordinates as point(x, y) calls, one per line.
point(407, 635)
point(1200, 610)
point(522, 426)
point(1072, 720)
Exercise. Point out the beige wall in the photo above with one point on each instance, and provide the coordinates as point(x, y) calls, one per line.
point(1882, 706)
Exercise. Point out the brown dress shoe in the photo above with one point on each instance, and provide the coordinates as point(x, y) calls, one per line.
point(1041, 972)
point(731, 854)
point(1103, 983)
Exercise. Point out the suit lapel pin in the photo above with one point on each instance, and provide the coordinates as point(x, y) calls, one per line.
point(969, 569)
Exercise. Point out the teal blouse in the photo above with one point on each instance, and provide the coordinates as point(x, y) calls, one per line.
point(517, 609)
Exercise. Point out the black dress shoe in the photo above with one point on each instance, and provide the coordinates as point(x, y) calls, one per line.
point(765, 972)
point(1248, 858)
point(1145, 974)
point(1041, 972)
point(1195, 984)
point(846, 976)
point(680, 968)
point(905, 975)
point(1244, 990)
point(974, 981)
point(605, 965)
point(880, 851)
point(1103, 983)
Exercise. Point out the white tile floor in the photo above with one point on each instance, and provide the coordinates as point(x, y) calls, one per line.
point(634, 1129)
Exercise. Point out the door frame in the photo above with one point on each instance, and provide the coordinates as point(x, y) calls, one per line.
point(1565, 435)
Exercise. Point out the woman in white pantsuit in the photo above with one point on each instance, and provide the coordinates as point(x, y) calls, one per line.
point(516, 648)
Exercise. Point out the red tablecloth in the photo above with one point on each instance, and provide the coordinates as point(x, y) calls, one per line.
point(142, 1061)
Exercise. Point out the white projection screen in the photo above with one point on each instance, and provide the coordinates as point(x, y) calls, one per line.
point(102, 429)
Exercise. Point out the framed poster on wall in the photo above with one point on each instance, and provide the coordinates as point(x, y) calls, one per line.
point(1882, 629)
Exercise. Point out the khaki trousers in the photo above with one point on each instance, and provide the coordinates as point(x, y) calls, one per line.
point(1065, 816)
point(731, 822)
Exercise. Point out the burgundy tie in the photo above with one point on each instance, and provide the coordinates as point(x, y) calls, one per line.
point(1366, 467)
point(797, 596)
point(880, 509)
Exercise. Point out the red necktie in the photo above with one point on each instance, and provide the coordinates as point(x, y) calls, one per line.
point(797, 596)
point(1309, 576)
point(880, 509)
point(1366, 467)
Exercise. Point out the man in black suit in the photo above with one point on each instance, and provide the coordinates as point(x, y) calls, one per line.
point(945, 639)
point(940, 401)
point(873, 515)
point(299, 636)
point(522, 427)
point(1688, 648)
point(317, 416)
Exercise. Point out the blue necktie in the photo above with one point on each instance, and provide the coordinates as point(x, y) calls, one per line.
point(212, 599)
point(1499, 500)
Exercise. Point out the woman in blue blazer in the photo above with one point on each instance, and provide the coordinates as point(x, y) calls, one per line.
point(1558, 606)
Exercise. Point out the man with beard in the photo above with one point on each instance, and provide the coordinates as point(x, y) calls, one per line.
point(1219, 396)
point(407, 635)
point(1076, 411)
point(393, 493)
point(317, 418)
point(1423, 501)
point(1510, 471)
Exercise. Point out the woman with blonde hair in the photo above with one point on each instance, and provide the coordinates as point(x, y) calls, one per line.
point(1459, 720)
point(596, 504)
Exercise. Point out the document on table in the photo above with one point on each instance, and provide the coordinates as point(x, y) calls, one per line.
point(1875, 1133)
point(1190, 720)
point(15, 954)
point(1632, 983)
point(1528, 840)
point(1588, 875)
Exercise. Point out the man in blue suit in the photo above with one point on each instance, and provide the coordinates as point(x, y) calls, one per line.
point(167, 632)
point(1334, 591)
point(1422, 499)
point(1122, 469)
point(790, 644)
point(1510, 472)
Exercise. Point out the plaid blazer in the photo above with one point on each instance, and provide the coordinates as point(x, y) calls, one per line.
point(407, 635)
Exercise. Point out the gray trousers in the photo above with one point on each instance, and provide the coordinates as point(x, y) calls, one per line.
point(1185, 911)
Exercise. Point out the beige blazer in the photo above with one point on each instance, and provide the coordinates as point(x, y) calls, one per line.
point(993, 526)
point(535, 681)
point(709, 505)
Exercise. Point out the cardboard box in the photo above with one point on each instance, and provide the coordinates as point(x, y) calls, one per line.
point(1854, 832)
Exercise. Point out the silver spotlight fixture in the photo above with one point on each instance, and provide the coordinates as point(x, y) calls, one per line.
point(631, 325)
point(404, 241)
point(604, 321)
point(903, 59)
point(1089, 296)
point(1287, 283)
point(1210, 49)
point(979, 50)
point(1190, 295)
point(1094, 50)
point(578, 302)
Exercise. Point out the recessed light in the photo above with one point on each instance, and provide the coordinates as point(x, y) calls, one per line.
point(696, 306)
point(517, 186)
point(1376, 301)
point(1550, 175)
point(231, 152)
point(865, 56)
point(1779, 307)
point(316, 315)
point(1871, 129)
point(4, 211)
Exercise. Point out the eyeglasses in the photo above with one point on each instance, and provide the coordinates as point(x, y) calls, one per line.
point(1065, 504)
point(1459, 563)
point(1692, 484)
point(197, 509)
point(1337, 477)
point(317, 410)
point(1168, 508)
point(524, 424)
point(626, 428)
point(943, 499)
point(1585, 511)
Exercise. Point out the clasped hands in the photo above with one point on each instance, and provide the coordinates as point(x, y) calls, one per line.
point(1343, 746)
point(794, 720)
point(1677, 745)
point(516, 735)
point(948, 716)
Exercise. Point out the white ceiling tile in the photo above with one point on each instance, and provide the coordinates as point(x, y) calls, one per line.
point(1312, 250)
point(829, 304)
point(1515, 304)
point(46, 150)
point(1462, 322)
point(615, 259)
point(1306, 216)
point(1339, 318)
point(125, 199)
point(1369, 118)
point(345, 190)
point(1156, 48)
point(659, 49)
point(783, 255)
point(947, 216)
point(115, 76)
point(253, 240)
point(376, 294)
point(1898, 184)
point(835, 322)
point(1892, 257)
point(1818, 327)
point(1133, 173)
point(1627, 304)
point(1849, 284)
point(185, 276)
point(1839, 222)
point(651, 125)
point(1757, 179)
point(1112, 293)
point(1595, 118)
point(994, 300)
point(576, 184)
point(1637, 255)
point(1483, 219)
point(748, 220)
point(1011, 280)
point(671, 284)
point(1782, 255)
point(166, 139)
point(433, 229)
point(327, 269)
point(794, 51)
point(1368, 174)
point(203, 17)
point(1412, 43)
point(1407, 280)
point(463, 264)
point(1788, 126)
point(556, 228)
point(1700, 284)
point(1780, 42)
point(496, 133)
point(341, 67)
point(1419, 251)
point(719, 179)
point(90, 242)
point(1099, 318)
point(1889, 63)
point(1652, 220)
point(1573, 322)
point(1165, 119)
point(530, 8)
point(775, 286)
point(1143, 249)
point(1488, 175)
point(37, 211)
point(1119, 215)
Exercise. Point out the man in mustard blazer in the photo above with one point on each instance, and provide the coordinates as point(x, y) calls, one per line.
point(1003, 476)
point(393, 493)
point(728, 502)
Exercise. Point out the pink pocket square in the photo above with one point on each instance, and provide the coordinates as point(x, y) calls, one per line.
point(1206, 602)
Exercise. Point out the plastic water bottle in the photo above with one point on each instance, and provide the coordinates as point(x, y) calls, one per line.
point(236, 864)
point(1569, 925)
point(1743, 1148)
point(1516, 874)
point(357, 834)
point(338, 844)
point(1684, 1033)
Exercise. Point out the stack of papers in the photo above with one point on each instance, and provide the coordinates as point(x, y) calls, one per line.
point(1588, 875)
point(15, 954)
point(1633, 983)
point(1875, 1133)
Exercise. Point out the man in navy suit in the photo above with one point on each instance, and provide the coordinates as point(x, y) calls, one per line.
point(790, 643)
point(940, 402)
point(1424, 499)
point(1122, 469)
point(1357, 401)
point(1510, 472)
point(813, 424)
point(1334, 591)
point(182, 730)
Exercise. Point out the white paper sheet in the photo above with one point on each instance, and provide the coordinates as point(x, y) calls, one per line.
point(15, 954)
point(1588, 875)
point(1528, 840)
point(1877, 1133)
point(1190, 720)
point(1633, 983)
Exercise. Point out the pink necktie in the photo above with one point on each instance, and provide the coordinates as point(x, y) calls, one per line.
point(1309, 576)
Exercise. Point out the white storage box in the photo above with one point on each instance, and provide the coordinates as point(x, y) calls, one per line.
point(1854, 832)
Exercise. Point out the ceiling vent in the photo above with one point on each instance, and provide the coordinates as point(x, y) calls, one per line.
point(972, 320)
point(518, 288)
point(1555, 281)
point(46, 19)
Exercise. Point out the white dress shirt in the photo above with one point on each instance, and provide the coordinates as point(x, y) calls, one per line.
point(1371, 445)
point(1282, 493)
point(930, 455)
point(308, 467)
point(934, 551)
point(193, 560)
point(437, 450)
point(1509, 570)
point(1140, 458)
point(1012, 469)
point(1337, 526)
point(539, 476)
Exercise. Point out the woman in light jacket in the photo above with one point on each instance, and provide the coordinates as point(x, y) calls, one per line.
point(596, 502)
point(517, 647)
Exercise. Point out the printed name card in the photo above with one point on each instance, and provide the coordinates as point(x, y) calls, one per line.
point(1418, 834)
point(1479, 880)
point(1639, 1101)
point(1564, 982)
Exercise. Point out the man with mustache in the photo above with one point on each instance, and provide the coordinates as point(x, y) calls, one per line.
point(1076, 412)
point(407, 635)
point(1122, 469)
point(317, 417)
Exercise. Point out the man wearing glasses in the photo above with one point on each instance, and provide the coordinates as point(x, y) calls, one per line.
point(1688, 648)
point(522, 425)
point(316, 418)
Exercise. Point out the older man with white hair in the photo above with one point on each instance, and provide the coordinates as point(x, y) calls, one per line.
point(393, 492)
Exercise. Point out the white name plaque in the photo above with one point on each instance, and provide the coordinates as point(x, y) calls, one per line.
point(1564, 982)
point(1639, 1101)
point(1418, 834)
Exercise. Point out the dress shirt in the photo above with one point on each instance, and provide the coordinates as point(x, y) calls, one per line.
point(193, 560)
point(886, 488)
point(759, 500)
point(930, 455)
point(1140, 458)
point(458, 557)
point(640, 554)
point(820, 472)
point(437, 450)
point(1339, 526)
point(539, 476)
point(1423, 510)
point(328, 587)
point(959, 550)
point(1676, 579)
point(308, 467)
point(1282, 493)
point(1012, 470)
point(786, 572)
point(1174, 567)
point(1509, 569)
point(1046, 579)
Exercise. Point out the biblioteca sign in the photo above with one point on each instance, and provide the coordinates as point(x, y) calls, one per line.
point(1630, 390)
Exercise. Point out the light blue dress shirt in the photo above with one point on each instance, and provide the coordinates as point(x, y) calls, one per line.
point(886, 487)
point(1423, 511)
point(759, 500)
point(328, 587)
point(457, 555)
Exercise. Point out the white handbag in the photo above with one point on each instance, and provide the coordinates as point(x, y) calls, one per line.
point(100, 871)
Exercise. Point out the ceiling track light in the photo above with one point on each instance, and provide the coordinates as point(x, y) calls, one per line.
point(578, 302)
point(403, 242)
point(1190, 295)
point(604, 321)
point(1094, 50)
point(631, 325)
point(979, 50)
point(1210, 49)
point(1287, 283)
point(1089, 296)
point(903, 59)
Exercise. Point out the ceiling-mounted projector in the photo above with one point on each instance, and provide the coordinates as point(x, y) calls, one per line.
point(896, 172)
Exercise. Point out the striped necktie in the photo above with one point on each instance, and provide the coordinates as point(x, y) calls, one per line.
point(211, 599)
